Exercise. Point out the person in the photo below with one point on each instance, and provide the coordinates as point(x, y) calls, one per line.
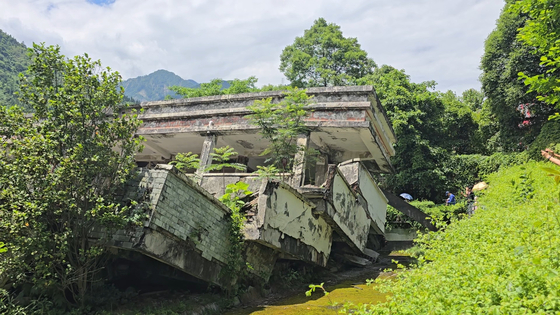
point(450, 199)
point(551, 156)
point(469, 194)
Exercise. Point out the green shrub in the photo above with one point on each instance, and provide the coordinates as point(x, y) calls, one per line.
point(467, 170)
point(549, 137)
point(505, 259)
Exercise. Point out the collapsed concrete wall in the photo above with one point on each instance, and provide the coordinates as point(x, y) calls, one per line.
point(187, 227)
point(373, 198)
point(283, 219)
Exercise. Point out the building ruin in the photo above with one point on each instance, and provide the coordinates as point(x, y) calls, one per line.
point(332, 208)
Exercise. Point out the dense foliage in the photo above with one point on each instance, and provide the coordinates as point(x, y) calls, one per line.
point(13, 61)
point(518, 112)
point(430, 126)
point(542, 31)
point(221, 87)
point(502, 260)
point(217, 87)
point(280, 124)
point(61, 172)
point(324, 57)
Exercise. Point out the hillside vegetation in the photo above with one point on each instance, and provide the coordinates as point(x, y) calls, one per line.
point(503, 260)
point(156, 86)
point(13, 60)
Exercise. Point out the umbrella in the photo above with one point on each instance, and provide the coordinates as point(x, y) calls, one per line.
point(480, 186)
point(406, 196)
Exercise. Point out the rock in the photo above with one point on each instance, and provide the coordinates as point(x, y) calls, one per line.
point(357, 261)
point(252, 294)
point(235, 301)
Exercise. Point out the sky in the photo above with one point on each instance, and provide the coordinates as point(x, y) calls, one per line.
point(440, 40)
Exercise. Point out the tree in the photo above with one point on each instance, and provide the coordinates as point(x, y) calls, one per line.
point(542, 31)
point(416, 112)
point(517, 110)
point(324, 57)
point(461, 130)
point(280, 124)
point(215, 87)
point(61, 172)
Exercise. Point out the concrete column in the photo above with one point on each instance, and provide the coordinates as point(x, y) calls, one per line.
point(302, 143)
point(205, 156)
point(321, 169)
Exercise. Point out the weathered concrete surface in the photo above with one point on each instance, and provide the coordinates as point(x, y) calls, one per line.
point(342, 208)
point(187, 227)
point(345, 123)
point(216, 183)
point(401, 235)
point(283, 219)
point(409, 210)
point(261, 259)
point(364, 185)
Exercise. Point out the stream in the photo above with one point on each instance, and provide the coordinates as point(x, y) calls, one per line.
point(350, 287)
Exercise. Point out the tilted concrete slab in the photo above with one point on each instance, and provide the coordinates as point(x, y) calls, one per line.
point(187, 227)
point(283, 220)
point(341, 208)
point(371, 196)
point(345, 122)
point(409, 210)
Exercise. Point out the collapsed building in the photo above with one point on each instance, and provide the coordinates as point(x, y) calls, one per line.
point(325, 209)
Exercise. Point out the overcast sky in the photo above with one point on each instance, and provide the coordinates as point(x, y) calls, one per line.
point(441, 40)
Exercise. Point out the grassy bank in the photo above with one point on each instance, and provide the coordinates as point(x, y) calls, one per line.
point(503, 260)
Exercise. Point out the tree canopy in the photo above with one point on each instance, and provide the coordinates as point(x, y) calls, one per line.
point(324, 57)
point(542, 31)
point(62, 171)
point(215, 87)
point(517, 110)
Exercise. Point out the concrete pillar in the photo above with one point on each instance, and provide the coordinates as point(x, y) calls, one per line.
point(205, 156)
point(321, 169)
point(302, 143)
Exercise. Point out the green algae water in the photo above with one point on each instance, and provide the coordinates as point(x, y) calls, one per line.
point(352, 292)
point(318, 303)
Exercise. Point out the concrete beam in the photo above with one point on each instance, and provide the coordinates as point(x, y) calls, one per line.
point(205, 155)
point(409, 210)
point(302, 143)
point(321, 169)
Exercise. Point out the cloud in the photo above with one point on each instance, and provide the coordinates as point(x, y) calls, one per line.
point(437, 40)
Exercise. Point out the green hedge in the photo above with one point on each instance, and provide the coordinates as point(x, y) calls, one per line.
point(505, 259)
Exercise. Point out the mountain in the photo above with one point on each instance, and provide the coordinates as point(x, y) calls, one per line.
point(13, 60)
point(155, 86)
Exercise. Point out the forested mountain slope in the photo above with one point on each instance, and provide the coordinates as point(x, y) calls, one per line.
point(154, 86)
point(13, 60)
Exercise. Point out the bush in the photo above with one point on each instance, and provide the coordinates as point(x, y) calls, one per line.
point(504, 259)
point(467, 170)
point(549, 137)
